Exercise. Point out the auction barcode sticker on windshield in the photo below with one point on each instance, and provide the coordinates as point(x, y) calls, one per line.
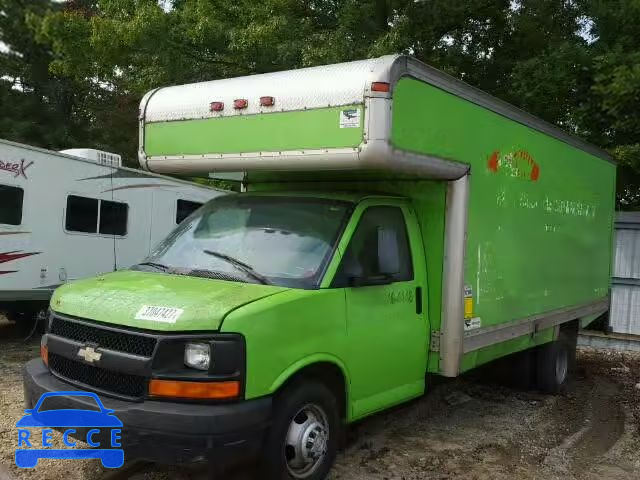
point(159, 314)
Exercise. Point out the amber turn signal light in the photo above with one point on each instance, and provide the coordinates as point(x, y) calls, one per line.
point(380, 87)
point(44, 354)
point(197, 390)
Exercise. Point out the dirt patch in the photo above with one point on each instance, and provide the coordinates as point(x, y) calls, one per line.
point(502, 433)
point(467, 428)
point(14, 352)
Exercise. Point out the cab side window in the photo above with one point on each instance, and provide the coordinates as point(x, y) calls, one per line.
point(378, 252)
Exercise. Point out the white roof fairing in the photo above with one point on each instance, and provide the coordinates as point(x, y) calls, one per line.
point(305, 88)
point(315, 88)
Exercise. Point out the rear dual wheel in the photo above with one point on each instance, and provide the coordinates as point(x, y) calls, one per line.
point(555, 361)
point(552, 370)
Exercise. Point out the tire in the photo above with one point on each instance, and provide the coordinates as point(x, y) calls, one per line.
point(569, 336)
point(552, 367)
point(306, 423)
point(28, 317)
point(523, 369)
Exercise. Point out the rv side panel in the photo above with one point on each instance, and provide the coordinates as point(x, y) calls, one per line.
point(63, 218)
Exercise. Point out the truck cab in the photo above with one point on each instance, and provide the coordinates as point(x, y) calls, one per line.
point(395, 223)
point(251, 297)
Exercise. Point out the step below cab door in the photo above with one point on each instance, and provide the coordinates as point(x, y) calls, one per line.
point(382, 272)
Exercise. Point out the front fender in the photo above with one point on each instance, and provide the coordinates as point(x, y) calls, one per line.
point(315, 359)
point(287, 332)
point(307, 362)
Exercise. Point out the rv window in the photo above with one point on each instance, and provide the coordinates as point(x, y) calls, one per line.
point(185, 208)
point(113, 217)
point(11, 205)
point(82, 214)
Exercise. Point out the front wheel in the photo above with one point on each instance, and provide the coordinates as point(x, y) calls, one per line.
point(303, 440)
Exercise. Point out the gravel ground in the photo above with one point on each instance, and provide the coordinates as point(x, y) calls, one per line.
point(467, 428)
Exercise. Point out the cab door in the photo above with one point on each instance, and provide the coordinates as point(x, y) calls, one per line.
point(383, 274)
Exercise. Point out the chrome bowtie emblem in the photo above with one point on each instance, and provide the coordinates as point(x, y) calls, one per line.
point(89, 354)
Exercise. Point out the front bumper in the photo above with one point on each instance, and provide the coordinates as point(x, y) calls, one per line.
point(168, 432)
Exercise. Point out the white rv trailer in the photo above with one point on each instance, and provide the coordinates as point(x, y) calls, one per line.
point(63, 217)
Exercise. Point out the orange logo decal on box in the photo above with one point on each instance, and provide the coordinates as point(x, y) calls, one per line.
point(519, 163)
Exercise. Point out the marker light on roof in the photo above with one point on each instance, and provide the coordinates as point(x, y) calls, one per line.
point(267, 101)
point(216, 106)
point(240, 103)
point(380, 87)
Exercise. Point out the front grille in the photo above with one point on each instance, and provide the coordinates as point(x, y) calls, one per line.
point(112, 340)
point(124, 384)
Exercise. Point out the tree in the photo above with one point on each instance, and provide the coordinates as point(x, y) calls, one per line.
point(610, 118)
point(39, 106)
point(572, 62)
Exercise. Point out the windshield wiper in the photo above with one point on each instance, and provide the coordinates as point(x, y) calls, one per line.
point(157, 266)
point(248, 269)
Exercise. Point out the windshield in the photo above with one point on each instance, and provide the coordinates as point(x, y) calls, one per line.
point(284, 241)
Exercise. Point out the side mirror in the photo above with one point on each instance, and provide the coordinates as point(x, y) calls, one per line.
point(388, 252)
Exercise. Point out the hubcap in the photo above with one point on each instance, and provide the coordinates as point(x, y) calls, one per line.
point(562, 365)
point(306, 442)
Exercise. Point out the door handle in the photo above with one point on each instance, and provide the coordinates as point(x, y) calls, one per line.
point(418, 300)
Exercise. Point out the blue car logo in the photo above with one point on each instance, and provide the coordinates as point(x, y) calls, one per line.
point(65, 418)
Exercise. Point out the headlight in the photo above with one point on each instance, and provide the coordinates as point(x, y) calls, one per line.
point(197, 355)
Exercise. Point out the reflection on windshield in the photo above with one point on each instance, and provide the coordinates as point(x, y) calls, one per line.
point(284, 241)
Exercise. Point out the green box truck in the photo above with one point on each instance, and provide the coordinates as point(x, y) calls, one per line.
point(395, 223)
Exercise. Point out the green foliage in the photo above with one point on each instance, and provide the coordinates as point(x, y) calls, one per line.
point(216, 183)
point(35, 104)
point(76, 70)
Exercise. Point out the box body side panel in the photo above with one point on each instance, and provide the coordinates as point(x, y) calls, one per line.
point(266, 132)
point(540, 211)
